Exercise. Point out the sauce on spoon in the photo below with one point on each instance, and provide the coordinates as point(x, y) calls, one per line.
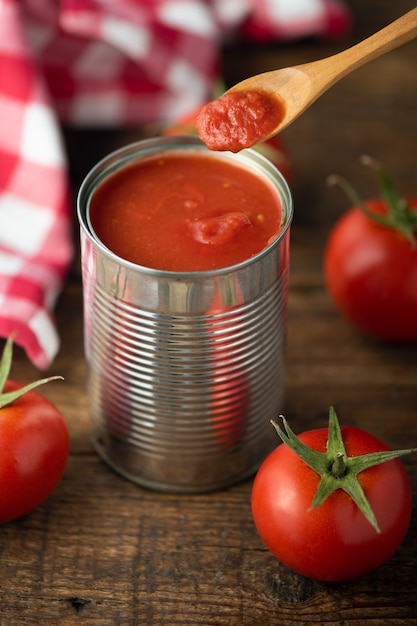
point(239, 119)
point(261, 106)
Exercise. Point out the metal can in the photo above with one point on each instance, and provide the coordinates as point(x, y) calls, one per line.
point(181, 391)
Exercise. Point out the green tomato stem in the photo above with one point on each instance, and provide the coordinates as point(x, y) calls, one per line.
point(338, 466)
point(399, 216)
point(5, 367)
point(335, 468)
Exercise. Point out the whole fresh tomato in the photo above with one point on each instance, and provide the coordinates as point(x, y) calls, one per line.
point(273, 149)
point(332, 503)
point(34, 444)
point(370, 263)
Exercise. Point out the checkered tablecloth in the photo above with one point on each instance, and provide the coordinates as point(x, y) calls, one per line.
point(101, 63)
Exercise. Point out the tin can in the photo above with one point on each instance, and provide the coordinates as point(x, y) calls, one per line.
point(185, 369)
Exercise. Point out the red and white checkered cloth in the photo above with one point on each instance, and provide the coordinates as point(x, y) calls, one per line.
point(35, 240)
point(101, 63)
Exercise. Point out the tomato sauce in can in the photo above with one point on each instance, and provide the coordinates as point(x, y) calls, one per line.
point(185, 212)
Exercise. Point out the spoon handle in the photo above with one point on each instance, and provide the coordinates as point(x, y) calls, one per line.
point(392, 36)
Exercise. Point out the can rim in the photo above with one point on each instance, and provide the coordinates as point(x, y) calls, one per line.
point(116, 159)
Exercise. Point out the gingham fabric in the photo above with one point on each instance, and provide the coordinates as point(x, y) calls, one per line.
point(101, 63)
point(35, 240)
point(138, 61)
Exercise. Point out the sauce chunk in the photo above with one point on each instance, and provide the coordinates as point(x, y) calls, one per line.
point(238, 120)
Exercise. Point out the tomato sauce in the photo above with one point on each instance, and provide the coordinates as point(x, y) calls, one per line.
point(185, 212)
point(238, 120)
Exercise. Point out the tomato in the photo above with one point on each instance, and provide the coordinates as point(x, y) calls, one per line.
point(273, 149)
point(34, 445)
point(333, 540)
point(370, 267)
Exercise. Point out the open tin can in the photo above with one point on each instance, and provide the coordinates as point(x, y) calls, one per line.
point(185, 369)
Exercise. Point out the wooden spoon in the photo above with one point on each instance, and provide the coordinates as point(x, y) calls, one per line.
point(261, 106)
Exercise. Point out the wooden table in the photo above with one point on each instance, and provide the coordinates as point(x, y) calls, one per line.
point(103, 551)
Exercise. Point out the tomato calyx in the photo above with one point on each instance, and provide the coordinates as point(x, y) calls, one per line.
point(398, 214)
point(336, 469)
point(7, 398)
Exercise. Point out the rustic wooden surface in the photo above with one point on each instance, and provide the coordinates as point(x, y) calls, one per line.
point(102, 551)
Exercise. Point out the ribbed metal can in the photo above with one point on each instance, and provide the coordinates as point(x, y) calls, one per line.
point(185, 369)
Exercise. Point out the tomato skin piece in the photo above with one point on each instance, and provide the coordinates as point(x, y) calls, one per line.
point(34, 447)
point(333, 541)
point(371, 274)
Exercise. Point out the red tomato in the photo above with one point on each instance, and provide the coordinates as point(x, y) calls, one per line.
point(273, 149)
point(34, 444)
point(371, 269)
point(333, 541)
point(371, 274)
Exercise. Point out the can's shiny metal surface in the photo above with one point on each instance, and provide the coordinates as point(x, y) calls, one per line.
point(185, 370)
